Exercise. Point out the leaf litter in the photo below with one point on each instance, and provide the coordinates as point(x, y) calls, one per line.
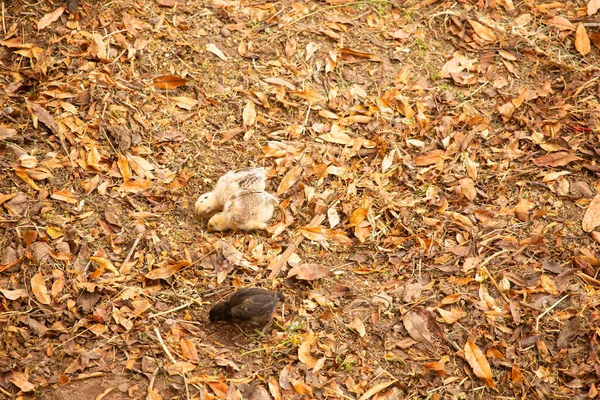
point(436, 165)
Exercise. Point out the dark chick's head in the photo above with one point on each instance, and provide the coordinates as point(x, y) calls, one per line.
point(220, 312)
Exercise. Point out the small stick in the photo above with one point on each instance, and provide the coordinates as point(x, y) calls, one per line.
point(172, 359)
point(537, 319)
point(164, 347)
point(171, 310)
point(277, 263)
point(496, 285)
point(122, 269)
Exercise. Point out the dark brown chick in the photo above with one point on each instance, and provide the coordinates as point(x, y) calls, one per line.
point(249, 305)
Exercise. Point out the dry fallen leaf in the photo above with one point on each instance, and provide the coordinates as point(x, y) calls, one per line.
point(483, 31)
point(479, 364)
point(249, 113)
point(582, 41)
point(416, 326)
point(591, 218)
point(358, 326)
point(50, 18)
point(592, 7)
point(39, 289)
point(216, 51)
point(308, 272)
point(168, 82)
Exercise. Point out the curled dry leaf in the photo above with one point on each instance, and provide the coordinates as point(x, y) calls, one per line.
point(41, 114)
point(479, 364)
point(39, 289)
point(216, 51)
point(358, 326)
point(168, 82)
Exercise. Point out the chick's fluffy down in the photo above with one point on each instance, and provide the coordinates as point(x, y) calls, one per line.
point(249, 180)
point(246, 211)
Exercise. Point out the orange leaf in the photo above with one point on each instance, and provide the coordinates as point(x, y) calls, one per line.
point(188, 350)
point(39, 289)
point(168, 82)
point(479, 364)
point(582, 41)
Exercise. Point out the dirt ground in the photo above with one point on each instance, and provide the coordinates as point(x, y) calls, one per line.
point(436, 165)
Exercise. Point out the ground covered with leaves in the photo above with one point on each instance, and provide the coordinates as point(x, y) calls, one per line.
point(436, 165)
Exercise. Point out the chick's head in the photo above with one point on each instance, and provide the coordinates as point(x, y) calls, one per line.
point(218, 222)
point(206, 203)
point(220, 312)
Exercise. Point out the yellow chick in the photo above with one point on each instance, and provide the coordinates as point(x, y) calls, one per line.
point(250, 179)
point(246, 211)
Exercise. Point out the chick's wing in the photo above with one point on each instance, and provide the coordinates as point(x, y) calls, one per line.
point(254, 306)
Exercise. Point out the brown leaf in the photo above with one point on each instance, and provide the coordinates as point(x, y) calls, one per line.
point(50, 18)
point(280, 82)
point(41, 114)
point(558, 159)
point(39, 289)
point(416, 326)
point(308, 272)
point(591, 218)
point(582, 41)
point(358, 216)
point(14, 294)
point(561, 23)
point(479, 364)
point(483, 31)
point(168, 82)
point(568, 332)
